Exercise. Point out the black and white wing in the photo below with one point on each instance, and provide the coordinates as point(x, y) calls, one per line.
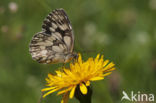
point(55, 40)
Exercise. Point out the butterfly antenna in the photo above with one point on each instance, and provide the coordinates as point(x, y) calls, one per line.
point(90, 51)
point(87, 51)
point(63, 65)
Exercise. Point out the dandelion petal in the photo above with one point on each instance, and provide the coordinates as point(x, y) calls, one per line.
point(49, 92)
point(88, 83)
point(80, 59)
point(83, 88)
point(105, 63)
point(46, 89)
point(63, 91)
point(97, 78)
point(106, 74)
point(72, 92)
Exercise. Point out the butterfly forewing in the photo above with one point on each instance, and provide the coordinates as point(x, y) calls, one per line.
point(55, 40)
point(58, 24)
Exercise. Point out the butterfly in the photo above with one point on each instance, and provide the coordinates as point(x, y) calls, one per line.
point(54, 44)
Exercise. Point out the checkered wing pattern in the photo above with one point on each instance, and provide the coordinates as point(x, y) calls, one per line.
point(55, 41)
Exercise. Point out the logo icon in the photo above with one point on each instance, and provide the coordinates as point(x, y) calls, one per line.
point(125, 96)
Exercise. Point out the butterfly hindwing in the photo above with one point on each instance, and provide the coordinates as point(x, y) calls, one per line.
point(46, 48)
point(55, 40)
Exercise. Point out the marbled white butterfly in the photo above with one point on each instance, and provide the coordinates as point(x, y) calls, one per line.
point(54, 44)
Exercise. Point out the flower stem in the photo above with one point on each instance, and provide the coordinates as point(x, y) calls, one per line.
point(83, 98)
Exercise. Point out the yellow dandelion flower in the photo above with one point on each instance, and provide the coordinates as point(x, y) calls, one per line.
point(81, 73)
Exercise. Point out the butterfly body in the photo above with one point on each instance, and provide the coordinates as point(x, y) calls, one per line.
point(54, 44)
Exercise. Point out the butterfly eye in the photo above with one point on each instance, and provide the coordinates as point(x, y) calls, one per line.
point(75, 56)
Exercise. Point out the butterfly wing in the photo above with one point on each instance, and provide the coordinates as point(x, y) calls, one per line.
point(55, 40)
point(58, 24)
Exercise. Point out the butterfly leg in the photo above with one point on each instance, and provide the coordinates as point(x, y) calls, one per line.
point(74, 60)
point(63, 65)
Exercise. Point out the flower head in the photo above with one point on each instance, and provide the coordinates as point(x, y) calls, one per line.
point(81, 73)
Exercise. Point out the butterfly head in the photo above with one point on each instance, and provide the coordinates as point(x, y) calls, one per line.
point(71, 56)
point(75, 55)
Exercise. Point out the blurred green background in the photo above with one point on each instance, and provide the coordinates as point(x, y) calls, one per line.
point(123, 30)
